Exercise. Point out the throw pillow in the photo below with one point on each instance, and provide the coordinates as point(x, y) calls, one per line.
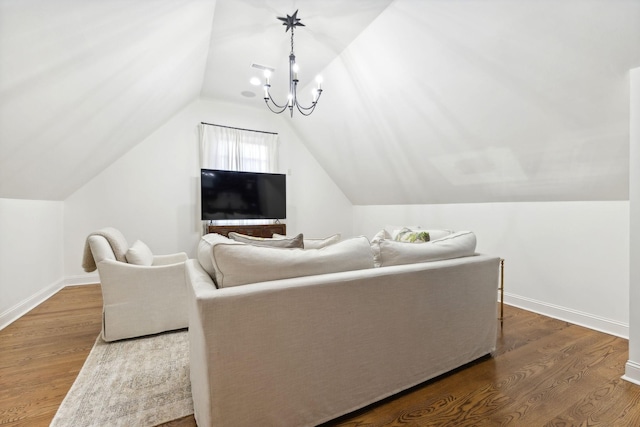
point(434, 234)
point(375, 245)
point(314, 243)
point(294, 242)
point(268, 263)
point(410, 236)
point(139, 254)
point(393, 230)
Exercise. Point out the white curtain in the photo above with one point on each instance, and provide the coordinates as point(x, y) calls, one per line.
point(241, 150)
point(235, 149)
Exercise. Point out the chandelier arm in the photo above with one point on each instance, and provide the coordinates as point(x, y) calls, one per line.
point(280, 108)
point(303, 110)
point(313, 104)
point(275, 103)
point(275, 111)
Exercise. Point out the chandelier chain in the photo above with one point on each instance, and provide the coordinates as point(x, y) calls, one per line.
point(292, 41)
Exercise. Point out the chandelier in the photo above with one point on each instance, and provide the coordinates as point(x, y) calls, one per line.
point(291, 21)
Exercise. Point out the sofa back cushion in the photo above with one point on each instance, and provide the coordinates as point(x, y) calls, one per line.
point(240, 264)
point(287, 242)
point(314, 243)
point(205, 251)
point(456, 245)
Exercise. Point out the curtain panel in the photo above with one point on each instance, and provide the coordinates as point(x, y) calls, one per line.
point(235, 149)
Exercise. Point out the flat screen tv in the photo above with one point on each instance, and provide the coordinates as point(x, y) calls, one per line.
point(242, 195)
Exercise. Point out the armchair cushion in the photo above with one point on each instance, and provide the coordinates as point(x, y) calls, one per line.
point(139, 254)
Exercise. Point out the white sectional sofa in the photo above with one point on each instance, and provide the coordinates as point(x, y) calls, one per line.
point(299, 351)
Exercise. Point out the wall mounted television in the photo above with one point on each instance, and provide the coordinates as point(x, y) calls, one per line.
point(228, 194)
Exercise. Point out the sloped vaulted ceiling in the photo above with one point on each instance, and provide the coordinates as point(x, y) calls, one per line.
point(426, 101)
point(481, 101)
point(81, 82)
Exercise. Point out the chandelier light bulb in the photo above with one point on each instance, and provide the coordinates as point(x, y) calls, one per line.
point(295, 70)
point(319, 81)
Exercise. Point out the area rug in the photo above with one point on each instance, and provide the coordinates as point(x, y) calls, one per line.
point(135, 382)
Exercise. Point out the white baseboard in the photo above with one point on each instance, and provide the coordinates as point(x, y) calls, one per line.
point(632, 372)
point(82, 279)
point(20, 309)
point(608, 326)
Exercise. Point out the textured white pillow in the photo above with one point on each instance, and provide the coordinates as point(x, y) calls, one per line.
point(393, 230)
point(242, 264)
point(434, 234)
point(314, 243)
point(139, 254)
point(456, 245)
point(375, 245)
point(412, 236)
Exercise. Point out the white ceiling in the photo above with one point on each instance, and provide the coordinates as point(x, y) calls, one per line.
point(425, 101)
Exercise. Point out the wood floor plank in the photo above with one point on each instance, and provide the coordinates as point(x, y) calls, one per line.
point(544, 372)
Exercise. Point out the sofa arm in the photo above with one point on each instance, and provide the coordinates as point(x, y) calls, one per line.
point(169, 259)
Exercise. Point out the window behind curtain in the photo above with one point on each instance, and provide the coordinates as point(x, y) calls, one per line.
point(241, 150)
point(235, 149)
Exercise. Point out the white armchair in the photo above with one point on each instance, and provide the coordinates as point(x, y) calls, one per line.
point(142, 293)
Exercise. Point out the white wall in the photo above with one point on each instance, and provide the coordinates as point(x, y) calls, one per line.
point(632, 370)
point(152, 192)
point(569, 260)
point(31, 255)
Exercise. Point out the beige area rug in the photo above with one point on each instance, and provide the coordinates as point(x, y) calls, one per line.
point(137, 382)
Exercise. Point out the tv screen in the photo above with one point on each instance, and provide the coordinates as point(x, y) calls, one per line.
point(242, 195)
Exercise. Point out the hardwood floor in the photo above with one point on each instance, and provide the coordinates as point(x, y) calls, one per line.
point(545, 372)
point(42, 352)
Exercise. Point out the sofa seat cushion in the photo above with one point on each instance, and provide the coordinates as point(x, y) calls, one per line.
point(456, 245)
point(287, 242)
point(240, 264)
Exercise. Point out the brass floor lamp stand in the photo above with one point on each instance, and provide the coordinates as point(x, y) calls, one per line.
point(501, 289)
